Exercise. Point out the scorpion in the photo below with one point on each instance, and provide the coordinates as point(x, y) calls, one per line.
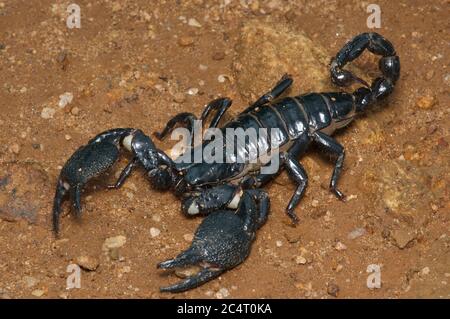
point(229, 194)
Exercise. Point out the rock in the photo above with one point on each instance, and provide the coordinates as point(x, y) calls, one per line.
point(279, 243)
point(425, 271)
point(14, 148)
point(300, 260)
point(188, 237)
point(340, 246)
point(402, 237)
point(154, 232)
point(358, 232)
point(47, 113)
point(30, 281)
point(218, 55)
point(18, 197)
point(38, 292)
point(114, 242)
point(192, 91)
point(333, 289)
point(87, 262)
point(183, 273)
point(65, 99)
point(75, 111)
point(179, 97)
point(222, 293)
point(194, 23)
point(185, 41)
point(260, 62)
point(426, 102)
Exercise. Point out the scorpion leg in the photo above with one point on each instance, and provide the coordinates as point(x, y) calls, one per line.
point(298, 174)
point(124, 174)
point(185, 118)
point(220, 105)
point(334, 148)
point(282, 85)
point(222, 241)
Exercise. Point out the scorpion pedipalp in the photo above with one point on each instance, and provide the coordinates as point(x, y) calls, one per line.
point(221, 242)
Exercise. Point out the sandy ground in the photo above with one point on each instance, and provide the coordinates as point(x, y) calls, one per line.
point(133, 64)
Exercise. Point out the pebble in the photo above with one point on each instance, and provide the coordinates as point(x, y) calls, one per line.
point(154, 232)
point(333, 290)
point(14, 148)
point(75, 111)
point(87, 262)
point(114, 242)
point(203, 67)
point(179, 97)
point(300, 260)
point(68, 137)
point(425, 271)
point(38, 292)
point(429, 75)
point(222, 293)
point(188, 237)
point(185, 41)
point(183, 273)
point(156, 218)
point(30, 281)
point(221, 78)
point(192, 91)
point(279, 243)
point(340, 246)
point(358, 232)
point(65, 99)
point(426, 102)
point(402, 237)
point(219, 55)
point(315, 203)
point(47, 113)
point(194, 23)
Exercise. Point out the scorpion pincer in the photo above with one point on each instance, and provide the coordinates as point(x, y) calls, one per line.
point(230, 192)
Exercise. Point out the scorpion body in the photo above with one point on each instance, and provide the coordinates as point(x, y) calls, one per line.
point(234, 187)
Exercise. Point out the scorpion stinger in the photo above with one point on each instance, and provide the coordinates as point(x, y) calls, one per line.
point(389, 65)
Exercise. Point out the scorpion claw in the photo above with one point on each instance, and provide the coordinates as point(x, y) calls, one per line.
point(221, 242)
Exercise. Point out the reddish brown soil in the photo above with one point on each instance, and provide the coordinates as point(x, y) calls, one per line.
point(124, 67)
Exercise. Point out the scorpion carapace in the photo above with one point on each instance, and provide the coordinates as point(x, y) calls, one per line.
point(229, 192)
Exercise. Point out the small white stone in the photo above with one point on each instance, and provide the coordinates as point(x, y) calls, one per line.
point(47, 113)
point(279, 243)
point(154, 232)
point(194, 23)
point(203, 67)
point(192, 91)
point(188, 237)
point(340, 246)
point(425, 271)
point(221, 78)
point(65, 99)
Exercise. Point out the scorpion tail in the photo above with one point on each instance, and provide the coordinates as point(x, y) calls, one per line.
point(389, 66)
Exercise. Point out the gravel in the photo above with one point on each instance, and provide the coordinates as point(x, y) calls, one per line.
point(47, 113)
point(88, 263)
point(154, 232)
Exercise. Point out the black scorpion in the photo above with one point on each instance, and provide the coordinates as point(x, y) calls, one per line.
point(229, 193)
